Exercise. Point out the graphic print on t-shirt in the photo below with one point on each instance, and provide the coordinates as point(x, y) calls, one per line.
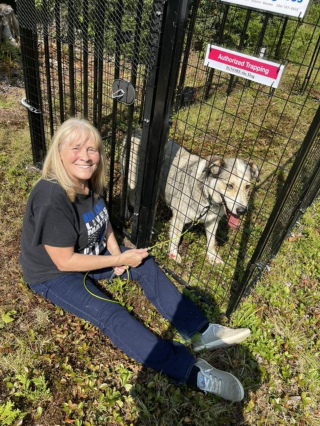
point(96, 222)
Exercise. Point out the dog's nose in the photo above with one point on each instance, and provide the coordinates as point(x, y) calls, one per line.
point(241, 210)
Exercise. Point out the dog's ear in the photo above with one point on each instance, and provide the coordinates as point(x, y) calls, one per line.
point(254, 170)
point(215, 166)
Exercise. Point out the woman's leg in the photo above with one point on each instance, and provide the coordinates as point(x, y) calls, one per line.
point(118, 324)
point(173, 305)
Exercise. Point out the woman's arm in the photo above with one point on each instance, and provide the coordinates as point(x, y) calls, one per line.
point(66, 260)
point(113, 248)
point(111, 242)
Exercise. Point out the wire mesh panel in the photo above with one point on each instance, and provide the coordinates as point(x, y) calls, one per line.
point(84, 50)
point(300, 190)
point(234, 141)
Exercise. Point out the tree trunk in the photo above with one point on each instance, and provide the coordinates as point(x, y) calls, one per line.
point(9, 27)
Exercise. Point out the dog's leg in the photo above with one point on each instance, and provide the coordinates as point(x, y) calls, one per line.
point(211, 225)
point(176, 228)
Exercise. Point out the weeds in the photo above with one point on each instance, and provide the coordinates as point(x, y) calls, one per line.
point(8, 413)
point(32, 389)
point(7, 317)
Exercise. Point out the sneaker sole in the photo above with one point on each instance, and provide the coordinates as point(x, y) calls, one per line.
point(229, 341)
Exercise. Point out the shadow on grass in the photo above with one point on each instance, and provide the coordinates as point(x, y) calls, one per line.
point(162, 402)
point(242, 264)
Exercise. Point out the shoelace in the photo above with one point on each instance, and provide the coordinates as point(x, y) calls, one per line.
point(212, 382)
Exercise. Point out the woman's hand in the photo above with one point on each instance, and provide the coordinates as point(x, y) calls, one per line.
point(133, 257)
point(129, 258)
point(66, 260)
point(119, 270)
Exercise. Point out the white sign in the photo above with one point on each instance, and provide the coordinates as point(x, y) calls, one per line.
point(250, 67)
point(295, 8)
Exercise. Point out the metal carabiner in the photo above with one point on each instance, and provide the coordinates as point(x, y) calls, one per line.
point(118, 94)
point(25, 103)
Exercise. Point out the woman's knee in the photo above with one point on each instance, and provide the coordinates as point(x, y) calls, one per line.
point(116, 318)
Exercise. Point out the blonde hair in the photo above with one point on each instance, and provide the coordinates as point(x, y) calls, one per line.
point(74, 129)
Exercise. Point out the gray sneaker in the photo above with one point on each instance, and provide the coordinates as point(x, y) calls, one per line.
point(219, 382)
point(218, 336)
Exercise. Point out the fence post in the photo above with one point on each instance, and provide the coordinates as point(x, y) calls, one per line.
point(299, 191)
point(30, 61)
point(160, 89)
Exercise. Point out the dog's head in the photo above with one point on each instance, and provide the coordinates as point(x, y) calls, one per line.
point(227, 182)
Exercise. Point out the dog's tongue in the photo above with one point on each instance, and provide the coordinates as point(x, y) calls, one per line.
point(233, 221)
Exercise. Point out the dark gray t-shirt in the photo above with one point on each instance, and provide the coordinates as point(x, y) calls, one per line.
point(52, 219)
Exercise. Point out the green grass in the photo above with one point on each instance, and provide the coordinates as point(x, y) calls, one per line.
point(56, 369)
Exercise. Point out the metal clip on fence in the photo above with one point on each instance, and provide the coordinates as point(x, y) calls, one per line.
point(123, 91)
point(25, 103)
point(118, 94)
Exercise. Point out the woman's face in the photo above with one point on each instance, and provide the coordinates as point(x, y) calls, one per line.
point(80, 159)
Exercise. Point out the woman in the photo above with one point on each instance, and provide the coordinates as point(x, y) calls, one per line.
point(66, 232)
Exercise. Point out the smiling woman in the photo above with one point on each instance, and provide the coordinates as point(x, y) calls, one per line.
point(75, 158)
point(66, 233)
point(80, 160)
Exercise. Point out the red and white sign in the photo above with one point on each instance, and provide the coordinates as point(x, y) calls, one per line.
point(295, 8)
point(249, 67)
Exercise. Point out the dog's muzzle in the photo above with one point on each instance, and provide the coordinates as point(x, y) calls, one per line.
point(233, 219)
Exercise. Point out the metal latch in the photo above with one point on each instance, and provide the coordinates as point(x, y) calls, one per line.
point(25, 103)
point(123, 91)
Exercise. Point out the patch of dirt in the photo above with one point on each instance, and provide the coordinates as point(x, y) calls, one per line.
point(14, 113)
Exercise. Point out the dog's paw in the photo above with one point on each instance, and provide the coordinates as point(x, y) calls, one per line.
point(215, 259)
point(175, 256)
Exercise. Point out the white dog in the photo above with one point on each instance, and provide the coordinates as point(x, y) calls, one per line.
point(195, 188)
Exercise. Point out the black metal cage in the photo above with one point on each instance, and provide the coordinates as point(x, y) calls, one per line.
point(136, 70)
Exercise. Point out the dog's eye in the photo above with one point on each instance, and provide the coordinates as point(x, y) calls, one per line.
point(230, 186)
point(247, 187)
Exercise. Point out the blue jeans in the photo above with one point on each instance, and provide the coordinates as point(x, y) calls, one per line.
point(126, 332)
